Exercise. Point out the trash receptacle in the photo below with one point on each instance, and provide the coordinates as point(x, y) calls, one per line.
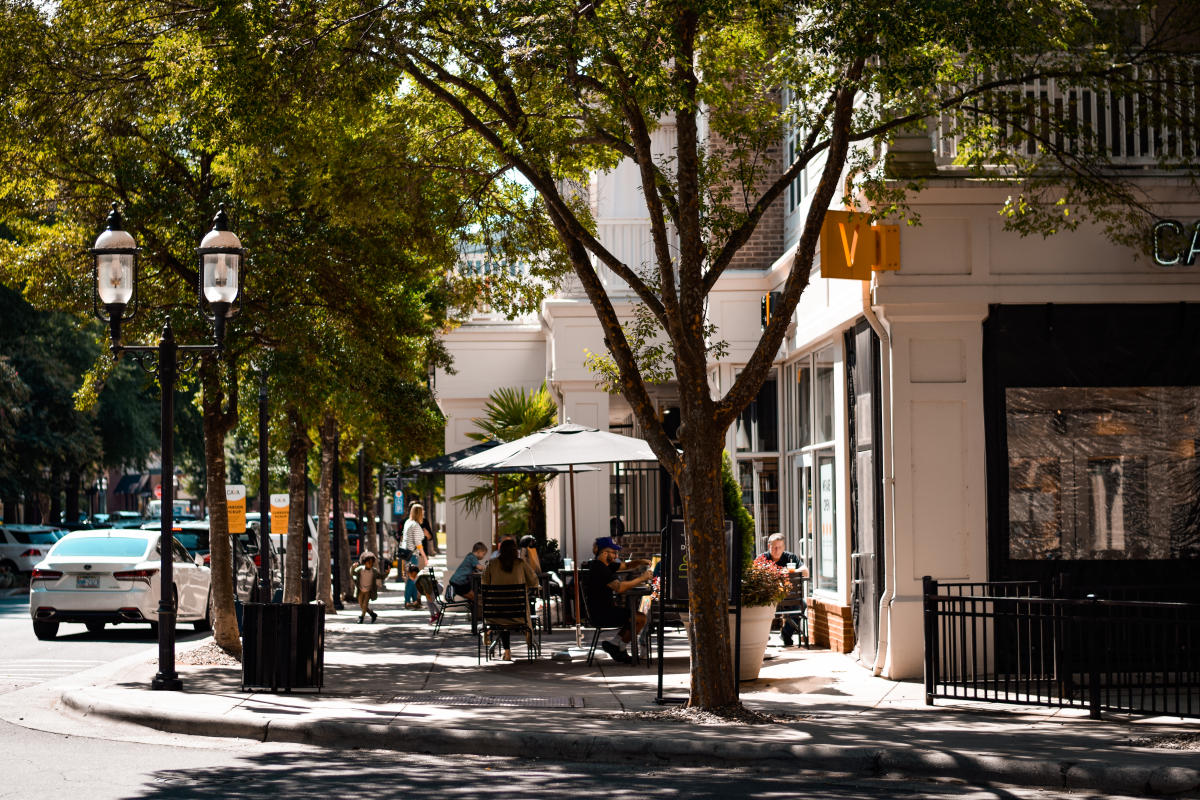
point(283, 646)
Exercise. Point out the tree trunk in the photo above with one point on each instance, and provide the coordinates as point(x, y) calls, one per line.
point(71, 503)
point(298, 446)
point(327, 432)
point(217, 422)
point(56, 499)
point(713, 684)
point(537, 513)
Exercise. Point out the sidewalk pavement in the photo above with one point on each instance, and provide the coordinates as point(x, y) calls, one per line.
point(392, 685)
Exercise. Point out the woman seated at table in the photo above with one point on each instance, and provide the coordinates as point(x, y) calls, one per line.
point(529, 553)
point(508, 570)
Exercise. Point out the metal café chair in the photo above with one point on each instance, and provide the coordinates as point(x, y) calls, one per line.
point(505, 608)
point(446, 601)
point(794, 608)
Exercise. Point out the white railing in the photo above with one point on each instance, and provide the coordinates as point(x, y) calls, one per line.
point(1126, 129)
point(631, 241)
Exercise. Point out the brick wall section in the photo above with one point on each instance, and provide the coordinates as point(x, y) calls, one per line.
point(639, 545)
point(766, 243)
point(830, 625)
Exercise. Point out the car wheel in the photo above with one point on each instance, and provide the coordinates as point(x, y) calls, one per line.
point(45, 630)
point(94, 626)
point(205, 625)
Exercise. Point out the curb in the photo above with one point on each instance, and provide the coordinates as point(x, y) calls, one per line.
point(1057, 775)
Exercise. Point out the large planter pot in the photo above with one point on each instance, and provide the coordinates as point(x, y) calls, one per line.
point(756, 628)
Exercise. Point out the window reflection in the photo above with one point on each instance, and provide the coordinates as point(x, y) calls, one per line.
point(1103, 472)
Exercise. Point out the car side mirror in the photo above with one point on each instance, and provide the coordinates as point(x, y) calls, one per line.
point(199, 561)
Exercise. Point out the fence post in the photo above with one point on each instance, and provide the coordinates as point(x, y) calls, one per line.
point(930, 590)
point(1091, 627)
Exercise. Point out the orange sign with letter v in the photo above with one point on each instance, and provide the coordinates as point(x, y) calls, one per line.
point(848, 246)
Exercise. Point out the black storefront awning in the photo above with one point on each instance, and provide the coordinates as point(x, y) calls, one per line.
point(128, 483)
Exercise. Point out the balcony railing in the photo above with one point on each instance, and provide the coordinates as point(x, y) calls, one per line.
point(1155, 128)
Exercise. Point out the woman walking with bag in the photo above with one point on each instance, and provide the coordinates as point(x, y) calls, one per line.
point(413, 537)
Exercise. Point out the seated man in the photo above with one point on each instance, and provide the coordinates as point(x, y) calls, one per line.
point(601, 586)
point(781, 558)
point(460, 581)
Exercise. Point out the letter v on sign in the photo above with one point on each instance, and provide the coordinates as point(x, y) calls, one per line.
point(848, 246)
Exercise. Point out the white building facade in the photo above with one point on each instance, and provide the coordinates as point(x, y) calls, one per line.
point(998, 408)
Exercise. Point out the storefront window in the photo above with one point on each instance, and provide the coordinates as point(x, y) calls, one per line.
point(812, 472)
point(823, 396)
point(1103, 473)
point(758, 426)
point(826, 507)
point(759, 479)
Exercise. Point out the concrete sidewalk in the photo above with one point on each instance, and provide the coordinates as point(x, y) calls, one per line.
point(393, 685)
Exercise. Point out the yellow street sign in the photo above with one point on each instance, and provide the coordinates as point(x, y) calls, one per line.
point(235, 505)
point(280, 505)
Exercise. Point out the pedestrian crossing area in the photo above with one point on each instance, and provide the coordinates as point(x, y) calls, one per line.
point(19, 673)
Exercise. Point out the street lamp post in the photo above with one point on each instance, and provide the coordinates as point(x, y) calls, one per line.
point(335, 548)
point(362, 503)
point(115, 287)
point(264, 504)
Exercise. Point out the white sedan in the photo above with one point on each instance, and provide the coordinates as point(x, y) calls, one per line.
point(102, 576)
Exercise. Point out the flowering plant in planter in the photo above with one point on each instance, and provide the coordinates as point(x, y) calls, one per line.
point(763, 583)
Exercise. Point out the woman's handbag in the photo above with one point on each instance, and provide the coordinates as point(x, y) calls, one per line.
point(404, 554)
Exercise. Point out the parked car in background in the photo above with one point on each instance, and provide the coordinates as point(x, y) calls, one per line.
point(23, 546)
point(113, 576)
point(280, 540)
point(124, 519)
point(252, 545)
point(193, 535)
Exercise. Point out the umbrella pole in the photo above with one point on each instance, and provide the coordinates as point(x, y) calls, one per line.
point(575, 552)
point(495, 509)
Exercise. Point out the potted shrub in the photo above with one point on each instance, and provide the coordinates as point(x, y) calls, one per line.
point(764, 586)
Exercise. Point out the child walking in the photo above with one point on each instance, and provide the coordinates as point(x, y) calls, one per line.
point(367, 579)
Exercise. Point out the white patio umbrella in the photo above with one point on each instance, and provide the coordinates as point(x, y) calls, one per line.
point(568, 445)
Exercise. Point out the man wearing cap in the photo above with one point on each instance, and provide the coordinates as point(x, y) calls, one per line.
point(601, 585)
point(781, 558)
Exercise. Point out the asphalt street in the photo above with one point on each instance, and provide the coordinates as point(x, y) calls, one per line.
point(26, 661)
point(41, 764)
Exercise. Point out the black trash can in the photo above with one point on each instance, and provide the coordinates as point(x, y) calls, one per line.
point(283, 646)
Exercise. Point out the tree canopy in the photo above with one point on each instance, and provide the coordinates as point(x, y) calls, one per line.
point(699, 95)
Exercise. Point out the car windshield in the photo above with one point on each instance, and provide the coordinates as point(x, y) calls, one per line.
point(117, 546)
point(34, 537)
point(193, 541)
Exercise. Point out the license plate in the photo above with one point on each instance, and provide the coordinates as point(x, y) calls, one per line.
point(87, 582)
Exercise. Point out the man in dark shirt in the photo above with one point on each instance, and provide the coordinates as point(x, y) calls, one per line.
point(781, 558)
point(601, 587)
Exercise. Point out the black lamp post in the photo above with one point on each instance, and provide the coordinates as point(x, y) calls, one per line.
point(335, 543)
point(115, 281)
point(264, 487)
point(362, 503)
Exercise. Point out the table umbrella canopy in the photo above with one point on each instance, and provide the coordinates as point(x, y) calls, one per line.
point(559, 446)
point(446, 463)
point(563, 445)
point(451, 464)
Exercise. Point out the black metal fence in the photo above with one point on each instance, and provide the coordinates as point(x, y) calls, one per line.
point(1014, 642)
